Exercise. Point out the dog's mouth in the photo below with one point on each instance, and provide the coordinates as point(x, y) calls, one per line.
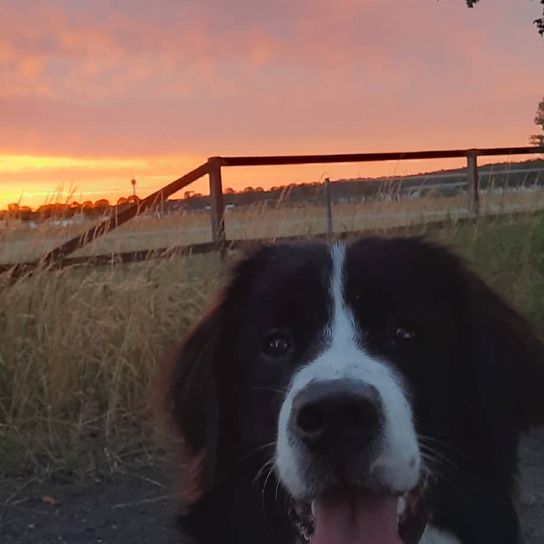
point(350, 515)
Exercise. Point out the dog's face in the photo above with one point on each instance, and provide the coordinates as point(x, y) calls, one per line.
point(347, 366)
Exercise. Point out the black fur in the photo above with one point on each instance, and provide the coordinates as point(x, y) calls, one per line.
point(475, 374)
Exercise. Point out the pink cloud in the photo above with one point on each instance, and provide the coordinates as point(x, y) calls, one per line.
point(197, 78)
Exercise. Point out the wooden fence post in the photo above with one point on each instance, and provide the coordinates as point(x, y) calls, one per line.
point(473, 187)
point(217, 206)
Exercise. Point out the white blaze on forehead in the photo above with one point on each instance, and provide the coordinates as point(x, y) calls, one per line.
point(398, 461)
point(342, 327)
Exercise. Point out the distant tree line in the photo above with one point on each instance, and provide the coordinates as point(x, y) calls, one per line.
point(499, 176)
point(56, 210)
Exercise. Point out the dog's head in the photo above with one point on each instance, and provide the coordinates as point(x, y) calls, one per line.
point(351, 367)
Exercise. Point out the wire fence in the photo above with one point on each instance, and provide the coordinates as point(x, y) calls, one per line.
point(60, 255)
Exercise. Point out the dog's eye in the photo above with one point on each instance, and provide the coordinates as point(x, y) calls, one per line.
point(276, 344)
point(404, 334)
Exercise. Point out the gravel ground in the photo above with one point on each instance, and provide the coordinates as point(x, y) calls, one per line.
point(137, 508)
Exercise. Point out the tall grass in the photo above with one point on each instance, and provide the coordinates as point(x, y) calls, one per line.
point(80, 348)
point(285, 217)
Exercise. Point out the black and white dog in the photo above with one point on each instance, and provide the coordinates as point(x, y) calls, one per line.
point(370, 393)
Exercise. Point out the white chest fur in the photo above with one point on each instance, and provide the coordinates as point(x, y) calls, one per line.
point(436, 536)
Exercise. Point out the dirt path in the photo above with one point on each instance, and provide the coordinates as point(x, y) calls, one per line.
point(137, 508)
point(128, 509)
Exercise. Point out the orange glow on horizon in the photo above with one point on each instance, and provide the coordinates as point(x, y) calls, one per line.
point(32, 180)
point(38, 180)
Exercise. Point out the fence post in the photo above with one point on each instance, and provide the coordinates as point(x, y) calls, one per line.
point(473, 183)
point(328, 205)
point(217, 205)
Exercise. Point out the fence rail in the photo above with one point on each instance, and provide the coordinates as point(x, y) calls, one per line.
point(58, 256)
point(127, 257)
point(277, 160)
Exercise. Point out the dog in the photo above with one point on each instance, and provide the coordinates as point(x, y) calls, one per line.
point(364, 393)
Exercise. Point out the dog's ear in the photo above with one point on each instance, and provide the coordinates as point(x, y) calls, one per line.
point(201, 387)
point(506, 349)
point(192, 403)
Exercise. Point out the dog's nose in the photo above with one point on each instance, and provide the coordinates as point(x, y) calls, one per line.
point(337, 416)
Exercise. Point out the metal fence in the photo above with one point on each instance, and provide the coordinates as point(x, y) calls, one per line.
point(213, 169)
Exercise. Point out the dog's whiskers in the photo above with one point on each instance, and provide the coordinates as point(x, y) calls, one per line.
point(272, 467)
point(441, 444)
point(440, 464)
point(261, 471)
point(246, 457)
point(267, 388)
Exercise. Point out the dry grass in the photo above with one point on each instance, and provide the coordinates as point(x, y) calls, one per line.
point(285, 218)
point(80, 348)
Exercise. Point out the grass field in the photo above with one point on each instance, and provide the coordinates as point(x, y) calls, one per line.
point(285, 218)
point(80, 348)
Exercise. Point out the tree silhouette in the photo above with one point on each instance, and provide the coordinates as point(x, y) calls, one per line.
point(102, 203)
point(133, 199)
point(538, 139)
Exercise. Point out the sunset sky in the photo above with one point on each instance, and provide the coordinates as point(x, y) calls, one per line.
point(95, 93)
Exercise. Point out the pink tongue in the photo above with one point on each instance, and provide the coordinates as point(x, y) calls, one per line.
point(355, 519)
